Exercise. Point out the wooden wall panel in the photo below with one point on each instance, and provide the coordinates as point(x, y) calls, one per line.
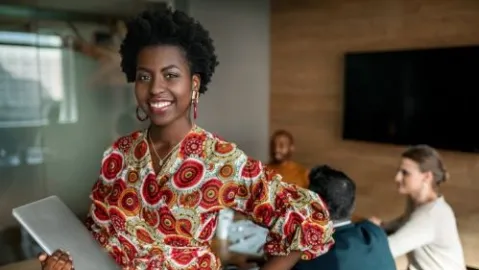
point(308, 40)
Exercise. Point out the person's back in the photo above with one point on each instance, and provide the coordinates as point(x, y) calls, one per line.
point(358, 246)
point(361, 245)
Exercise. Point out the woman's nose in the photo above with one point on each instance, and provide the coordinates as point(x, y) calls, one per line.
point(157, 86)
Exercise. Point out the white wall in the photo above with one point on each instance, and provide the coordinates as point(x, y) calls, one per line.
point(237, 104)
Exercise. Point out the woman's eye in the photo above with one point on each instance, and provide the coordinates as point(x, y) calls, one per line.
point(171, 76)
point(143, 78)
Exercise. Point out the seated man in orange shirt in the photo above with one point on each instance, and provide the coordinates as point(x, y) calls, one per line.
point(281, 152)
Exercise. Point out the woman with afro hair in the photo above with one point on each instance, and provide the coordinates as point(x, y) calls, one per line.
point(156, 202)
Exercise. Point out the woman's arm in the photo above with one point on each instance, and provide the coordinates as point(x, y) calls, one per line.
point(297, 218)
point(418, 231)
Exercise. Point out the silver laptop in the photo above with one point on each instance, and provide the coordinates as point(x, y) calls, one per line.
point(54, 226)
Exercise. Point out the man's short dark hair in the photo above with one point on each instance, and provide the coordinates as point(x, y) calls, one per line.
point(336, 189)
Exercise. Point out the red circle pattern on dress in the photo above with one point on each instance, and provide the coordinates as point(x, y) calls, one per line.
point(193, 144)
point(112, 166)
point(132, 177)
point(190, 173)
point(116, 191)
point(223, 148)
point(251, 170)
point(167, 222)
point(140, 150)
point(265, 213)
point(124, 143)
point(129, 202)
point(228, 193)
point(312, 235)
point(150, 190)
point(210, 193)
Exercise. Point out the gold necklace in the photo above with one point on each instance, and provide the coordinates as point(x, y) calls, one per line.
point(161, 161)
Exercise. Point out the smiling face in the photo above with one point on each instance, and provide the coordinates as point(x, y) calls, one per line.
point(164, 84)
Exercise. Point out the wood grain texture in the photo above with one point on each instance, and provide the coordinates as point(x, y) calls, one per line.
point(308, 41)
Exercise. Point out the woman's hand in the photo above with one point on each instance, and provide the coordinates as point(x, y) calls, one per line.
point(59, 260)
point(376, 221)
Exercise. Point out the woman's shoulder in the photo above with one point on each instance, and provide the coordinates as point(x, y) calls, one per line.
point(209, 145)
point(124, 143)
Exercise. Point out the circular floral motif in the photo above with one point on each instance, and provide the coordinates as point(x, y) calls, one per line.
point(129, 202)
point(228, 193)
point(167, 222)
point(140, 150)
point(251, 169)
point(112, 166)
point(312, 235)
point(190, 200)
point(218, 151)
point(132, 177)
point(124, 143)
point(226, 172)
point(193, 145)
point(150, 190)
point(116, 191)
point(224, 148)
point(117, 218)
point(100, 191)
point(150, 216)
point(242, 191)
point(189, 174)
point(206, 262)
point(209, 194)
point(264, 213)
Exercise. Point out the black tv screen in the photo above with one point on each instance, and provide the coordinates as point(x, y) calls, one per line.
point(427, 96)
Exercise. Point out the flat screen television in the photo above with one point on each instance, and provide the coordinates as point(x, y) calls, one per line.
point(407, 97)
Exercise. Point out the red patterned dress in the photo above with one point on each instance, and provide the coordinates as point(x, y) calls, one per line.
point(167, 221)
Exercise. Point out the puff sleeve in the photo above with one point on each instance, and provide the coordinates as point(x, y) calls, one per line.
point(297, 218)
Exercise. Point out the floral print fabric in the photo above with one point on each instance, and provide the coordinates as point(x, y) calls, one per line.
point(167, 221)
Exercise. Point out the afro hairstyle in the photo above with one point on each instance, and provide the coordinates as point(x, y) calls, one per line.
point(167, 27)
